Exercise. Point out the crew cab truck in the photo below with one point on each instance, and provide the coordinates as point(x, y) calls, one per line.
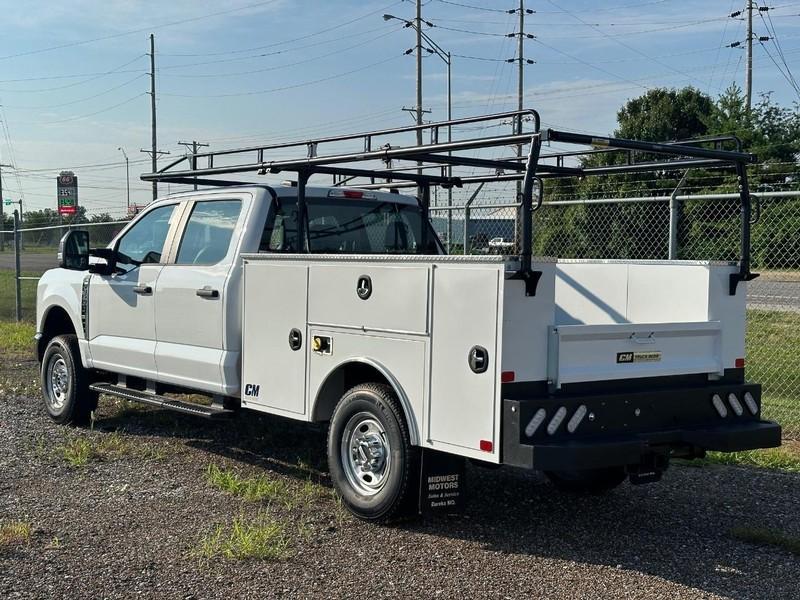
point(338, 305)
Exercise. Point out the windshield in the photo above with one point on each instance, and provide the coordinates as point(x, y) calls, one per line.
point(351, 226)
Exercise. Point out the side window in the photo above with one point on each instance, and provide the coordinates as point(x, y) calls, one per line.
point(144, 241)
point(280, 230)
point(208, 232)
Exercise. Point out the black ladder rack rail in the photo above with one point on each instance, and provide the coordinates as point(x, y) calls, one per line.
point(321, 158)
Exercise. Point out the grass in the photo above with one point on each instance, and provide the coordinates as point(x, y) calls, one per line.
point(8, 298)
point(14, 533)
point(263, 538)
point(16, 338)
point(767, 537)
point(785, 458)
point(253, 489)
point(79, 451)
point(772, 341)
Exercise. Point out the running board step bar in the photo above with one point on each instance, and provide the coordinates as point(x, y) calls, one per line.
point(188, 408)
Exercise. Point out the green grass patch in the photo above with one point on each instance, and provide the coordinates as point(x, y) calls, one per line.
point(8, 297)
point(16, 338)
point(263, 539)
point(785, 458)
point(772, 360)
point(253, 489)
point(767, 537)
point(14, 533)
point(81, 450)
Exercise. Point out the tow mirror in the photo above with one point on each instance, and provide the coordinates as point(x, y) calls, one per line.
point(73, 250)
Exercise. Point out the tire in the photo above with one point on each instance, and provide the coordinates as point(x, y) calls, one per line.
point(589, 481)
point(65, 383)
point(372, 463)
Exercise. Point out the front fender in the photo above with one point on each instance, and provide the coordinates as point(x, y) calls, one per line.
point(63, 289)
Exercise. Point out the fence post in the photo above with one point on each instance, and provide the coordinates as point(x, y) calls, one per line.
point(674, 217)
point(17, 273)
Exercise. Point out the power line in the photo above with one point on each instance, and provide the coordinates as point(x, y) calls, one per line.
point(295, 39)
point(285, 87)
point(93, 78)
point(138, 30)
point(79, 100)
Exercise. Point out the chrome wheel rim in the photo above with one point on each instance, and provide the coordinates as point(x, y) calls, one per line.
point(365, 454)
point(58, 383)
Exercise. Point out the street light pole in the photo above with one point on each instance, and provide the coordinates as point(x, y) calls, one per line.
point(127, 179)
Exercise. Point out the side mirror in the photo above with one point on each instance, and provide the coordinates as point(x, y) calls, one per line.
point(73, 250)
point(108, 257)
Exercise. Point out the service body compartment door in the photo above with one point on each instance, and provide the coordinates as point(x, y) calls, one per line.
point(463, 403)
point(274, 337)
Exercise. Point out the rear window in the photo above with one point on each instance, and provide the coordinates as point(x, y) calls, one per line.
point(350, 226)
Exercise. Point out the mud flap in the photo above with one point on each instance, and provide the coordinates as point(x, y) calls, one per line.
point(442, 486)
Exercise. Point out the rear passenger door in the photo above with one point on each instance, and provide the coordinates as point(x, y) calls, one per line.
point(196, 346)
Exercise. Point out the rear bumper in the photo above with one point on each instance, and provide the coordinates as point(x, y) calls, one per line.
point(631, 428)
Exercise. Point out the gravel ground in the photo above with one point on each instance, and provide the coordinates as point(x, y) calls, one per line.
point(130, 525)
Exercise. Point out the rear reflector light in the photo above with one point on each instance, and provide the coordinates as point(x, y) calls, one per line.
point(576, 419)
point(486, 446)
point(342, 193)
point(751, 403)
point(552, 426)
point(716, 400)
point(735, 404)
point(537, 420)
point(739, 363)
point(507, 376)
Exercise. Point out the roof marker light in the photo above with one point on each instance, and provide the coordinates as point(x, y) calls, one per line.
point(716, 400)
point(345, 193)
point(751, 403)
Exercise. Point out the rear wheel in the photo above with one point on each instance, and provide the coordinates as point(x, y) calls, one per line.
point(588, 481)
point(65, 383)
point(373, 465)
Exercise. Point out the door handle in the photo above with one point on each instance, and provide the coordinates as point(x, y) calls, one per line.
point(295, 339)
point(207, 292)
point(143, 289)
point(478, 359)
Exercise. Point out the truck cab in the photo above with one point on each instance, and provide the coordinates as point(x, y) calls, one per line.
point(167, 306)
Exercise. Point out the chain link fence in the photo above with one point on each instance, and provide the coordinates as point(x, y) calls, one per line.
point(658, 224)
point(38, 250)
point(658, 219)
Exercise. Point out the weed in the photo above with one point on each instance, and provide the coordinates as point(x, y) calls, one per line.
point(81, 450)
point(14, 532)
point(262, 539)
point(785, 458)
point(252, 489)
point(767, 537)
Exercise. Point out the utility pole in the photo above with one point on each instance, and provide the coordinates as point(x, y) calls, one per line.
point(749, 77)
point(419, 70)
point(154, 152)
point(521, 62)
point(195, 145)
point(2, 202)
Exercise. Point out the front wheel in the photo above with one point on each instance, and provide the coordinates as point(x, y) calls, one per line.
point(65, 383)
point(373, 465)
point(588, 481)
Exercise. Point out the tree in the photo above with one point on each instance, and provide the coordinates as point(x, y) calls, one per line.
point(662, 115)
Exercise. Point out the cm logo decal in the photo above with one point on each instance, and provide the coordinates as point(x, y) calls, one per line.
point(251, 390)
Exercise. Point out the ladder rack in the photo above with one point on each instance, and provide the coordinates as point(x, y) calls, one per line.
point(378, 152)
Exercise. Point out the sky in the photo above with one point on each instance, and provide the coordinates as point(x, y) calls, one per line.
point(74, 77)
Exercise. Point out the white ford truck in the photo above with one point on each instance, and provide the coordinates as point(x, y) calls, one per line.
point(338, 305)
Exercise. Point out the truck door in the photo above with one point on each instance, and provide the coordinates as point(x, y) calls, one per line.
point(121, 315)
point(194, 293)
